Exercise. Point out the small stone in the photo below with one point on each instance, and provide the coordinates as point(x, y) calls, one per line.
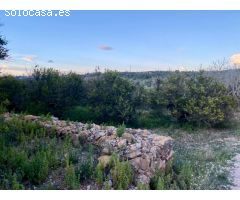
point(145, 133)
point(31, 117)
point(129, 137)
point(104, 160)
point(106, 151)
point(143, 179)
point(75, 139)
point(134, 154)
point(136, 163)
point(145, 163)
point(161, 140)
point(122, 143)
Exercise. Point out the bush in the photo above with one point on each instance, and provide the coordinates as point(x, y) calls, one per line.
point(173, 178)
point(195, 99)
point(99, 174)
point(13, 91)
point(113, 97)
point(121, 173)
point(121, 130)
point(28, 153)
point(37, 169)
point(86, 167)
point(53, 92)
point(71, 180)
point(81, 114)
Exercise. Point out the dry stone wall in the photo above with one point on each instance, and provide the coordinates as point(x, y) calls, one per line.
point(146, 152)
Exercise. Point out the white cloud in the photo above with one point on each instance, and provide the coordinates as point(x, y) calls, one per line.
point(3, 66)
point(235, 59)
point(29, 58)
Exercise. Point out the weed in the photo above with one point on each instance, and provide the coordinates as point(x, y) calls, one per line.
point(71, 179)
point(121, 173)
point(121, 130)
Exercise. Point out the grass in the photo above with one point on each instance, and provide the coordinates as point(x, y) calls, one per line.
point(205, 154)
point(30, 156)
point(120, 172)
point(121, 130)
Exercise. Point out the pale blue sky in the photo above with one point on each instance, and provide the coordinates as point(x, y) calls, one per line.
point(144, 40)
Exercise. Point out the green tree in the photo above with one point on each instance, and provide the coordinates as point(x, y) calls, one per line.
point(112, 97)
point(53, 92)
point(13, 91)
point(193, 98)
point(3, 50)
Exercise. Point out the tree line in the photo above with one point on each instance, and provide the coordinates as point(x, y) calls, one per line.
point(108, 98)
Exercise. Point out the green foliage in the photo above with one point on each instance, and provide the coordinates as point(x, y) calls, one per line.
point(52, 92)
point(38, 168)
point(15, 184)
point(82, 114)
point(86, 168)
point(71, 179)
point(29, 153)
point(188, 99)
point(121, 130)
point(173, 178)
point(3, 106)
point(14, 92)
point(112, 97)
point(195, 99)
point(99, 174)
point(121, 173)
point(3, 50)
point(141, 186)
point(151, 120)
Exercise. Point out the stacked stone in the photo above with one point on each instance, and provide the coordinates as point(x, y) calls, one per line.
point(146, 152)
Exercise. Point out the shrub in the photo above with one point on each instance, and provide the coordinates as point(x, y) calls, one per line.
point(113, 97)
point(173, 177)
point(99, 174)
point(141, 186)
point(37, 169)
point(121, 130)
point(50, 91)
point(82, 114)
point(13, 91)
point(195, 99)
point(15, 184)
point(3, 106)
point(121, 173)
point(71, 180)
point(86, 167)
point(27, 153)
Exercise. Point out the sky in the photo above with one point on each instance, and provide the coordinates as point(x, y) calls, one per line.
point(121, 40)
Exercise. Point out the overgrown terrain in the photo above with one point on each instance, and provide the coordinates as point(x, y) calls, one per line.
point(34, 157)
point(195, 108)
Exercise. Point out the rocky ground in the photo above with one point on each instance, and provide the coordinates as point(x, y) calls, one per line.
point(213, 156)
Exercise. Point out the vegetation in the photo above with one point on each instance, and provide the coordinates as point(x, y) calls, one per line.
point(198, 100)
point(182, 98)
point(31, 156)
point(3, 50)
point(71, 180)
point(173, 178)
point(29, 153)
point(120, 172)
point(121, 130)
